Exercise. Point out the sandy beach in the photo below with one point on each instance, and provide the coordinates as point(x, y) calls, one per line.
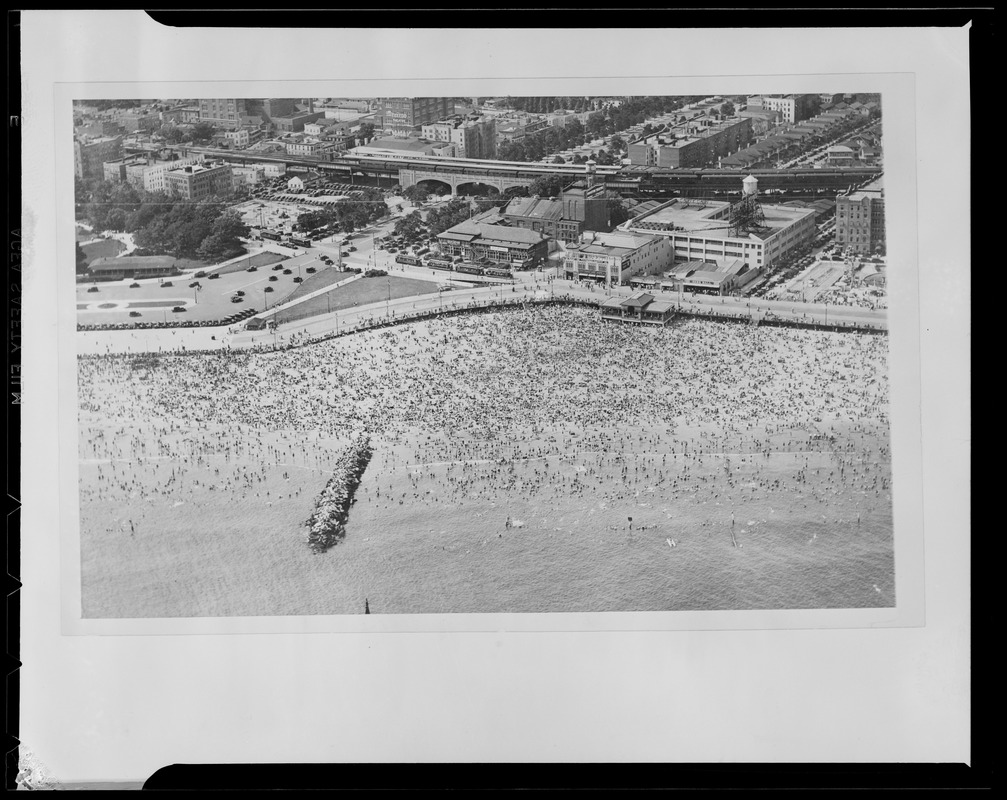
point(524, 460)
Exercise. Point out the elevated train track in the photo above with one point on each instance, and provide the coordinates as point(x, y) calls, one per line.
point(628, 179)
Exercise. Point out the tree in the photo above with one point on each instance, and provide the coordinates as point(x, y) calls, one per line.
point(616, 144)
point(81, 260)
point(365, 133)
point(202, 131)
point(415, 194)
point(116, 220)
point(447, 216)
point(727, 109)
point(617, 213)
point(558, 160)
point(172, 134)
point(230, 225)
point(596, 124)
point(515, 191)
point(548, 185)
point(411, 223)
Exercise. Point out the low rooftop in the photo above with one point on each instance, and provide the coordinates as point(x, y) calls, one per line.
point(710, 218)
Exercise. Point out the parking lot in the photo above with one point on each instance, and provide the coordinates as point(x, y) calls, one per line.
point(153, 300)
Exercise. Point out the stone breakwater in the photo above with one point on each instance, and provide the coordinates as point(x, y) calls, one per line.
point(327, 523)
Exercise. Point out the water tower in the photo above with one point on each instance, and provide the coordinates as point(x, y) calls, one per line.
point(750, 186)
point(589, 168)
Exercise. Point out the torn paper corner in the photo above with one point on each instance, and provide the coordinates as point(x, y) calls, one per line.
point(32, 774)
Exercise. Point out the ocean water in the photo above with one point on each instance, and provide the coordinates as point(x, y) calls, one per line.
point(451, 551)
point(769, 491)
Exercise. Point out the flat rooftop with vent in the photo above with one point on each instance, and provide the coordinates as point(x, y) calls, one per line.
point(712, 217)
point(716, 231)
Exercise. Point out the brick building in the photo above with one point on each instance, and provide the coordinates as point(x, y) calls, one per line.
point(472, 138)
point(860, 220)
point(699, 145)
point(579, 208)
point(223, 113)
point(196, 181)
point(412, 112)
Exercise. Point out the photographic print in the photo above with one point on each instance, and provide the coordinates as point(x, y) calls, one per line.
point(479, 355)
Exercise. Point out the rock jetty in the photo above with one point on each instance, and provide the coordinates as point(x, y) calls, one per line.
point(327, 523)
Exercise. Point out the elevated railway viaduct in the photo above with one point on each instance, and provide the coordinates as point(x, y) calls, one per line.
point(468, 174)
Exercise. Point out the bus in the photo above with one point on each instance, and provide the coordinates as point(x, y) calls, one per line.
point(470, 269)
point(407, 259)
point(439, 263)
point(271, 235)
point(300, 242)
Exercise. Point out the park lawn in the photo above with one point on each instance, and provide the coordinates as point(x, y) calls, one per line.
point(263, 259)
point(106, 248)
point(324, 277)
point(358, 293)
point(185, 264)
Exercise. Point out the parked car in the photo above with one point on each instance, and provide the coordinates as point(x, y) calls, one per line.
point(273, 278)
point(288, 272)
point(93, 289)
point(298, 279)
point(310, 269)
point(268, 288)
point(213, 276)
point(134, 313)
point(252, 269)
point(200, 274)
point(239, 293)
point(178, 309)
point(134, 285)
point(167, 284)
point(236, 299)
